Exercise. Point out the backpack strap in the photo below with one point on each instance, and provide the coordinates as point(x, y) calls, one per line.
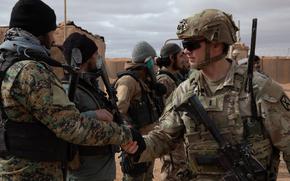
point(160, 72)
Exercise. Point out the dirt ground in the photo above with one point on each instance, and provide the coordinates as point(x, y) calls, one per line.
point(283, 173)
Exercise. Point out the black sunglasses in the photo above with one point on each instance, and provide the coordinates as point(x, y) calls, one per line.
point(191, 45)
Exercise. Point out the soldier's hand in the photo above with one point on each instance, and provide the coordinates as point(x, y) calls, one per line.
point(130, 147)
point(129, 162)
point(104, 115)
point(130, 167)
point(140, 142)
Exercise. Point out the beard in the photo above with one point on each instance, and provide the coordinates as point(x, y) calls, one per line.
point(175, 65)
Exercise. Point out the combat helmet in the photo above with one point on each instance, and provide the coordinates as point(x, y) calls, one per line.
point(212, 24)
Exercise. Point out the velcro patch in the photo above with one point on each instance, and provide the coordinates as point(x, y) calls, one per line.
point(285, 101)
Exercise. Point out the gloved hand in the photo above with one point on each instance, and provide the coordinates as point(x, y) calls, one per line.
point(129, 162)
point(130, 167)
point(140, 142)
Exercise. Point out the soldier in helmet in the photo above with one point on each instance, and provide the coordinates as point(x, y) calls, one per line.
point(38, 122)
point(219, 85)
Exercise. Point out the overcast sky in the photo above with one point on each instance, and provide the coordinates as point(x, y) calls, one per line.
point(125, 22)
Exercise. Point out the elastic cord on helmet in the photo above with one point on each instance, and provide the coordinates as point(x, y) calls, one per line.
point(207, 60)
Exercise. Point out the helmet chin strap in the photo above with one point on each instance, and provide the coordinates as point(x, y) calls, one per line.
point(208, 60)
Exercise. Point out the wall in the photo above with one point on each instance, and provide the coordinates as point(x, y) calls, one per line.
point(277, 67)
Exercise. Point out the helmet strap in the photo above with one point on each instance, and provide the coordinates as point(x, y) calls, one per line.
point(207, 60)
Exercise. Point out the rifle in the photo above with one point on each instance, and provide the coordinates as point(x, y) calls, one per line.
point(237, 160)
point(110, 90)
point(76, 61)
point(249, 81)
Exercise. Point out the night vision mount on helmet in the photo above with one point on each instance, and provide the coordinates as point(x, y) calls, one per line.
point(212, 24)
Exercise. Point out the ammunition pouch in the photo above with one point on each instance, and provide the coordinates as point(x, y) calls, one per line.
point(33, 141)
point(140, 114)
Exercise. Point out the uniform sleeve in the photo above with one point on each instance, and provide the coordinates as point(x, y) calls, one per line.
point(163, 138)
point(168, 133)
point(276, 112)
point(42, 94)
point(126, 88)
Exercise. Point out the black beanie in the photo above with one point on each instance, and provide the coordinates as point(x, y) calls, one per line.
point(169, 49)
point(76, 40)
point(34, 16)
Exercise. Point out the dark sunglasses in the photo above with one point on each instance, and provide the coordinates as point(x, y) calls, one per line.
point(191, 45)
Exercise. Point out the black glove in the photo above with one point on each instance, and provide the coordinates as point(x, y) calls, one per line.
point(132, 168)
point(129, 163)
point(141, 144)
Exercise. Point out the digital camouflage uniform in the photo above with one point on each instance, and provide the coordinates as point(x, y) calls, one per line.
point(30, 91)
point(227, 103)
point(38, 122)
point(129, 92)
point(226, 107)
point(175, 161)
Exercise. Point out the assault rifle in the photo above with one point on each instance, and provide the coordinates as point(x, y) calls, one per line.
point(76, 60)
point(237, 160)
point(110, 90)
point(249, 81)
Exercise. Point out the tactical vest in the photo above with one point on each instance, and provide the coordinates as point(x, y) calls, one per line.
point(228, 109)
point(95, 99)
point(32, 141)
point(141, 112)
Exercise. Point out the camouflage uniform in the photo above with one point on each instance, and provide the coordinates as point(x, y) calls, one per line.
point(225, 101)
point(31, 92)
point(175, 161)
point(38, 122)
point(227, 107)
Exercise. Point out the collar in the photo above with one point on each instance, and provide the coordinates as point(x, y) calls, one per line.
point(229, 78)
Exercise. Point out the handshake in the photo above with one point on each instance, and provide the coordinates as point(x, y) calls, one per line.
point(131, 154)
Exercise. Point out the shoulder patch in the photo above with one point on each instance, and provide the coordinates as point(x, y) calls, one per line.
point(285, 101)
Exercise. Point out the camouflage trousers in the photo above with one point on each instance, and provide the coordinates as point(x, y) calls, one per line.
point(148, 176)
point(174, 163)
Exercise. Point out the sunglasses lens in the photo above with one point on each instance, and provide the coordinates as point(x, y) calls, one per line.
point(191, 45)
